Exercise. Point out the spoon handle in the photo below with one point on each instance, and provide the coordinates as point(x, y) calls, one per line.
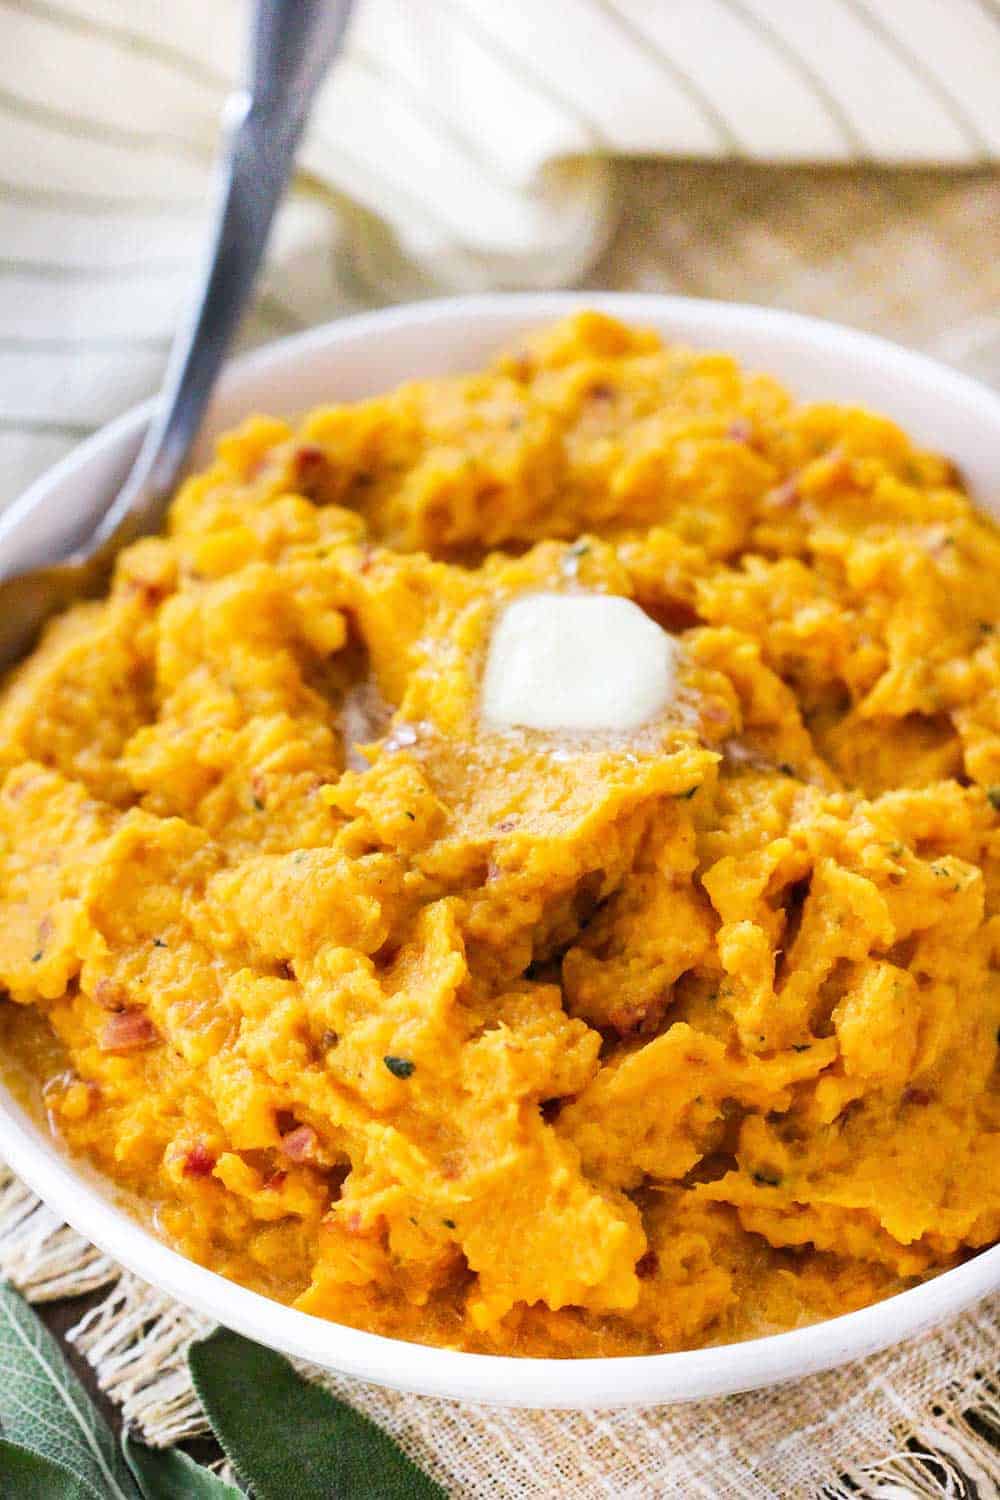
point(292, 44)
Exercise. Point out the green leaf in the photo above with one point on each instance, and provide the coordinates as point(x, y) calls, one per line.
point(31, 1476)
point(44, 1407)
point(286, 1437)
point(168, 1474)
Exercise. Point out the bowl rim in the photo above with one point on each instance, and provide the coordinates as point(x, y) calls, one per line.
point(558, 1384)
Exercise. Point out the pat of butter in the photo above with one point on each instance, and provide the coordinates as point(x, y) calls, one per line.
point(577, 661)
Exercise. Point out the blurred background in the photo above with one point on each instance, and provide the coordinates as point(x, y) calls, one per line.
point(836, 158)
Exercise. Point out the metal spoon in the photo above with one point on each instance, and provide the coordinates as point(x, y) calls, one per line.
point(292, 44)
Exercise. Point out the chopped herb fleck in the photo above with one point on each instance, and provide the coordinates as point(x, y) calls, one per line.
point(801, 1046)
point(688, 794)
point(993, 794)
point(411, 815)
point(399, 1067)
point(579, 549)
point(159, 943)
point(767, 1179)
point(448, 1223)
point(987, 627)
point(298, 856)
point(37, 957)
point(258, 804)
point(786, 769)
point(896, 849)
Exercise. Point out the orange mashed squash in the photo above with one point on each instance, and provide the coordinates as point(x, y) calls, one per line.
point(508, 1041)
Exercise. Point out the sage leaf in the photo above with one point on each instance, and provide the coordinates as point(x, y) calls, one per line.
point(285, 1437)
point(31, 1476)
point(169, 1474)
point(44, 1407)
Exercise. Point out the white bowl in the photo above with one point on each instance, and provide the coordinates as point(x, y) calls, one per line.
point(362, 356)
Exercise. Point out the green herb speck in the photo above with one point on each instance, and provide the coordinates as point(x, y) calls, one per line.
point(37, 957)
point(258, 804)
point(448, 1223)
point(688, 794)
point(786, 769)
point(993, 795)
point(412, 816)
point(159, 943)
point(399, 1067)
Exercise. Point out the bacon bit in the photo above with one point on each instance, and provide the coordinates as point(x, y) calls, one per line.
point(310, 467)
point(128, 1031)
point(151, 592)
point(309, 458)
point(276, 1180)
point(784, 495)
point(507, 826)
point(110, 995)
point(300, 1144)
point(917, 1096)
point(199, 1162)
point(355, 1224)
point(647, 1265)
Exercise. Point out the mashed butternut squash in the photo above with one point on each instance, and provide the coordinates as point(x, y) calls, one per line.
point(565, 1044)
